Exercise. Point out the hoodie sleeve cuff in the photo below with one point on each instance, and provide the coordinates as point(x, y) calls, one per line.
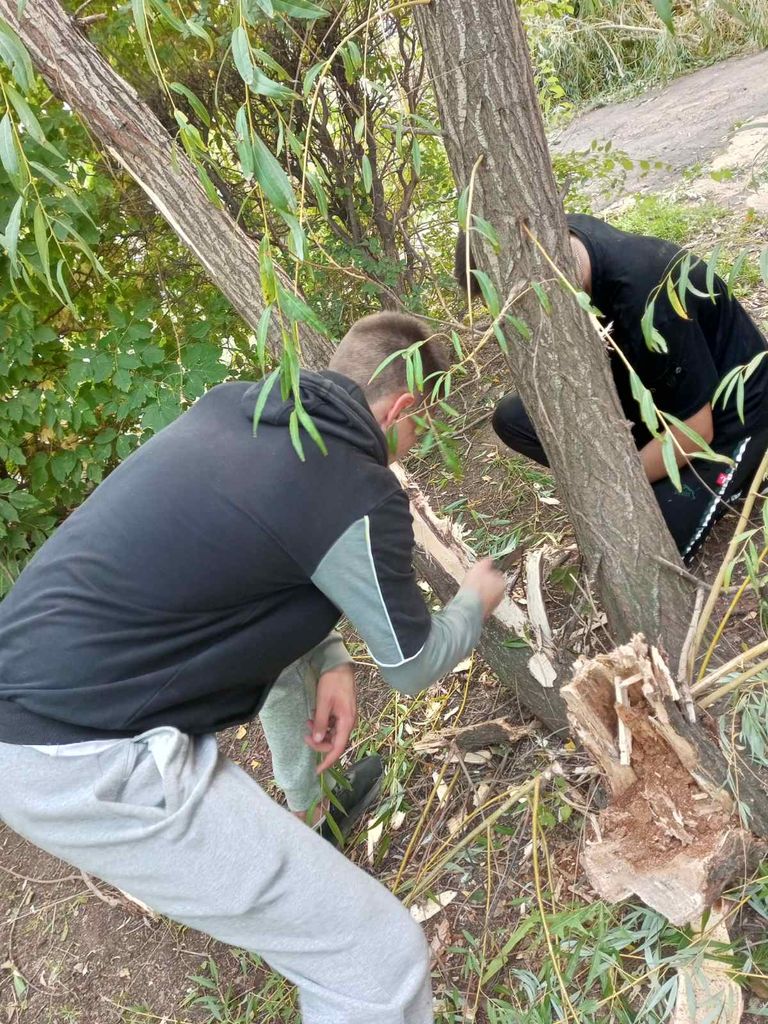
point(328, 654)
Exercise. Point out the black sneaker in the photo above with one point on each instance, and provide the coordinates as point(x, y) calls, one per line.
point(364, 782)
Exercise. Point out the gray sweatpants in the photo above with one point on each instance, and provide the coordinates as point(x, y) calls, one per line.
point(283, 715)
point(167, 818)
point(290, 702)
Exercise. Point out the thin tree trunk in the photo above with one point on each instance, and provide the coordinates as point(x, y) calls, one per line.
point(132, 135)
point(481, 73)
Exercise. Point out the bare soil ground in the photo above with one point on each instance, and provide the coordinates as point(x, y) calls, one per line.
point(708, 118)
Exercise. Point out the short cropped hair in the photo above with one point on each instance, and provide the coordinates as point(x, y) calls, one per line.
point(460, 269)
point(369, 341)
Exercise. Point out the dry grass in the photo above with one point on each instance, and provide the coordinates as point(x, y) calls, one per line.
point(617, 46)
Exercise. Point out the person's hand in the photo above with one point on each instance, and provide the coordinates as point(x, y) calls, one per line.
point(335, 715)
point(487, 582)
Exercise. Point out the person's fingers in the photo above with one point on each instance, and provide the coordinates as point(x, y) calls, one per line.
point(334, 718)
point(346, 721)
point(343, 726)
point(338, 747)
point(323, 712)
point(342, 729)
point(321, 748)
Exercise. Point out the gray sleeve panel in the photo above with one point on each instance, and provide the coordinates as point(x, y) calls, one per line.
point(454, 633)
point(347, 576)
point(328, 654)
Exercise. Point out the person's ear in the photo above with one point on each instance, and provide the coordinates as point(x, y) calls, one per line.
point(396, 411)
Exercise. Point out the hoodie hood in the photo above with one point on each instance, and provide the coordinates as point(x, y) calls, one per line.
point(335, 403)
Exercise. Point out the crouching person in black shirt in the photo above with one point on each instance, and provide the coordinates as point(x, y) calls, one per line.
point(208, 565)
point(622, 273)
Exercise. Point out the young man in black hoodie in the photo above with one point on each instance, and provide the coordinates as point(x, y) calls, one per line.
point(165, 608)
point(623, 273)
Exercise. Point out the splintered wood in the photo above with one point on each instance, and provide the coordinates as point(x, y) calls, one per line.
point(443, 542)
point(671, 833)
point(706, 990)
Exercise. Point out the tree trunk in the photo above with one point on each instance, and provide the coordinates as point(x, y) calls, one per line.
point(133, 136)
point(442, 558)
point(672, 832)
point(481, 73)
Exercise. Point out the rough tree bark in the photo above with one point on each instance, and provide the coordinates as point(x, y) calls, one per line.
point(129, 131)
point(481, 73)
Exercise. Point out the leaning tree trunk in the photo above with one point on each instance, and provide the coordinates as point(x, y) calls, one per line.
point(481, 73)
point(129, 131)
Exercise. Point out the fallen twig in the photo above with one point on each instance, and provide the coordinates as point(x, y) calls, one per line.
point(494, 731)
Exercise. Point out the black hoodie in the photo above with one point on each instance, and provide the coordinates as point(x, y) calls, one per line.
point(209, 561)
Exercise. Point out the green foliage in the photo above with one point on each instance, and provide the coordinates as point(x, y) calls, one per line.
point(96, 352)
point(318, 134)
point(269, 1001)
point(752, 711)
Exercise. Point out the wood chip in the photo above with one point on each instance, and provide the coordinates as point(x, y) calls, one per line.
point(424, 911)
point(542, 670)
point(537, 611)
point(706, 991)
point(372, 838)
point(477, 757)
point(625, 733)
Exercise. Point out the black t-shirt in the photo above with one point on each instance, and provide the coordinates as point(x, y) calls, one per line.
point(719, 335)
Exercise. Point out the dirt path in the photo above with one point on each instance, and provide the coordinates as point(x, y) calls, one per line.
point(712, 118)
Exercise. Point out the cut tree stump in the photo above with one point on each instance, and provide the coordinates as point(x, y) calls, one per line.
point(671, 834)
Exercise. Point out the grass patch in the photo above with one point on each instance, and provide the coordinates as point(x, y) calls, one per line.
point(666, 217)
point(254, 995)
point(701, 227)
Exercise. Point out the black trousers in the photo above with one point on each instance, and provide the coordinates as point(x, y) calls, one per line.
point(706, 491)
